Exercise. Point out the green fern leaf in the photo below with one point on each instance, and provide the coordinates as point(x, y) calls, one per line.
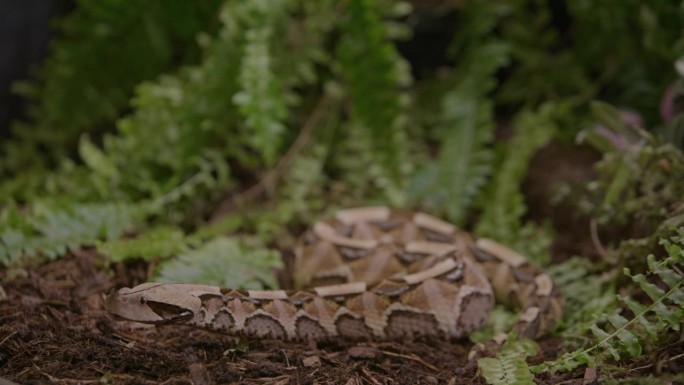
point(503, 212)
point(303, 182)
point(585, 294)
point(637, 308)
point(160, 242)
point(629, 340)
point(506, 371)
point(656, 294)
point(501, 218)
point(464, 162)
point(223, 226)
point(678, 298)
point(184, 119)
point(261, 98)
point(509, 366)
point(12, 245)
point(97, 160)
point(374, 72)
point(212, 171)
point(605, 341)
point(567, 362)
point(225, 262)
point(52, 232)
point(669, 276)
point(465, 129)
point(674, 248)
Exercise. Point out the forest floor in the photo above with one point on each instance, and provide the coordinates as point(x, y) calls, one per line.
point(54, 330)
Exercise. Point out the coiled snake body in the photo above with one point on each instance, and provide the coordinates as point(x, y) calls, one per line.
point(375, 274)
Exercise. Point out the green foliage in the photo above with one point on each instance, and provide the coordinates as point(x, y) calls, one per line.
point(375, 74)
point(639, 173)
point(650, 322)
point(504, 207)
point(181, 128)
point(299, 201)
point(191, 108)
point(463, 164)
point(639, 189)
point(586, 294)
point(648, 46)
point(542, 73)
point(509, 366)
point(160, 242)
point(51, 233)
point(588, 64)
point(190, 125)
point(104, 50)
point(500, 320)
point(466, 123)
point(225, 262)
point(637, 193)
point(261, 100)
point(225, 225)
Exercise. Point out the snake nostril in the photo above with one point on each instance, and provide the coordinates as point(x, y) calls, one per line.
point(142, 300)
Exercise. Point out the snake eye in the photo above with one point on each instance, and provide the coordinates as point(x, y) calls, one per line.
point(142, 300)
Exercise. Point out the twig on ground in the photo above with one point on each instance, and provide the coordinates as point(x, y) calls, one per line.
point(596, 240)
point(8, 337)
point(410, 357)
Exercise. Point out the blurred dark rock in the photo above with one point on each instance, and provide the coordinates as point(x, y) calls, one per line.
point(24, 35)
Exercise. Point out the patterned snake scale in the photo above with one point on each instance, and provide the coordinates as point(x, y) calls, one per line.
point(374, 274)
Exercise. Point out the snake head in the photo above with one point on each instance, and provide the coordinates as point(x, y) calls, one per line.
point(157, 302)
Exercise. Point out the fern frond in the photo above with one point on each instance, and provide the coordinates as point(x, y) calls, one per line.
point(466, 124)
point(149, 146)
point(302, 183)
point(159, 242)
point(624, 335)
point(586, 293)
point(375, 73)
point(464, 161)
point(504, 208)
point(509, 366)
point(235, 101)
point(226, 262)
point(226, 225)
point(164, 241)
point(261, 98)
point(105, 173)
point(52, 232)
point(184, 117)
point(355, 161)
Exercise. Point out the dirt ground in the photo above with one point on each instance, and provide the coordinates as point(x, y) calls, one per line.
point(54, 330)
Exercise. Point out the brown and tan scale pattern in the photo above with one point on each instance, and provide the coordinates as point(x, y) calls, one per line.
point(374, 274)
